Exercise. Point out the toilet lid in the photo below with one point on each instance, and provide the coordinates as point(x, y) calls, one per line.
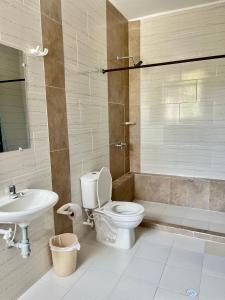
point(104, 187)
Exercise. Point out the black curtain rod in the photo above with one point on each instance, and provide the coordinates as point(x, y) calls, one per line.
point(164, 63)
point(12, 80)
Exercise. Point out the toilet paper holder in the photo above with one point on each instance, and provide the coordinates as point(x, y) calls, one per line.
point(71, 210)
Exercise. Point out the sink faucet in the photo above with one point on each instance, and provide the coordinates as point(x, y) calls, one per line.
point(12, 192)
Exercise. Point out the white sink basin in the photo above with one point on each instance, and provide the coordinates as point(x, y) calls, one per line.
point(26, 208)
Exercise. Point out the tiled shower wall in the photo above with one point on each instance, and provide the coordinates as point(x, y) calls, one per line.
point(84, 37)
point(118, 90)
point(20, 27)
point(183, 106)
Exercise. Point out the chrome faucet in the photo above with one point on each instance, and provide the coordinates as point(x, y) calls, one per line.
point(12, 192)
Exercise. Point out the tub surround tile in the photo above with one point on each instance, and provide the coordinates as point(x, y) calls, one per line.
point(116, 162)
point(190, 192)
point(208, 194)
point(123, 188)
point(152, 188)
point(217, 195)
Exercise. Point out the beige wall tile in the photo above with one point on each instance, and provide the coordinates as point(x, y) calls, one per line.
point(186, 100)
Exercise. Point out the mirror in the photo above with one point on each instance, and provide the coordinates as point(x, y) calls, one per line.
point(14, 132)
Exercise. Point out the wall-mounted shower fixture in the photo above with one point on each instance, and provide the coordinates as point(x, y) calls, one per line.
point(120, 145)
point(137, 64)
point(129, 123)
point(166, 63)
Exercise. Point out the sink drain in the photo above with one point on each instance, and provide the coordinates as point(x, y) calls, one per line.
point(191, 293)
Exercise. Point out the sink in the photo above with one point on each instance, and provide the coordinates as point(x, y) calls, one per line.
point(24, 209)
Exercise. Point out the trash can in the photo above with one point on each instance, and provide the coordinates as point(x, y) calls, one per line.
point(64, 249)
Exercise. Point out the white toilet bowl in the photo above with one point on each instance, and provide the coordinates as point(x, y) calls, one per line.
point(119, 217)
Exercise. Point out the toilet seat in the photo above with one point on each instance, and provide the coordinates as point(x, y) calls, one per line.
point(123, 209)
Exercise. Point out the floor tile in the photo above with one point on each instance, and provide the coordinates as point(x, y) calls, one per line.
point(88, 254)
point(162, 294)
point(212, 288)
point(133, 289)
point(147, 270)
point(214, 265)
point(112, 261)
point(66, 282)
point(44, 290)
point(185, 259)
point(95, 285)
point(179, 280)
point(152, 251)
point(187, 243)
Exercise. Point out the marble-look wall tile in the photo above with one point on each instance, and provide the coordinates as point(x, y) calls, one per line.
point(56, 106)
point(123, 188)
point(20, 27)
point(185, 100)
point(134, 97)
point(118, 90)
point(154, 188)
point(190, 192)
point(193, 192)
point(85, 53)
point(217, 195)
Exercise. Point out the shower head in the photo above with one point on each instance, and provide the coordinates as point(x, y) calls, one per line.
point(138, 64)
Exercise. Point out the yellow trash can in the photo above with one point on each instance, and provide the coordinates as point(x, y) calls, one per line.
point(64, 249)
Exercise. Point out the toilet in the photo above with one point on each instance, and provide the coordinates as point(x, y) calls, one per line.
point(118, 218)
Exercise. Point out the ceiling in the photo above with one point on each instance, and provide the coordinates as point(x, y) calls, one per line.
point(133, 9)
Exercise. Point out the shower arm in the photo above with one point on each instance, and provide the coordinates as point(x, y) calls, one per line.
point(165, 63)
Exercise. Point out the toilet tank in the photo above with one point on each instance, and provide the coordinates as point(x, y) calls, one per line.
point(89, 190)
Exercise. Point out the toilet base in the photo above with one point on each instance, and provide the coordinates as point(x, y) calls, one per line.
point(125, 239)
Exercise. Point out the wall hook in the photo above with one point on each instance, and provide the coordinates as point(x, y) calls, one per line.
point(38, 52)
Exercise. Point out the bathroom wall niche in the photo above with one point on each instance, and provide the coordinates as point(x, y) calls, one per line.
point(14, 132)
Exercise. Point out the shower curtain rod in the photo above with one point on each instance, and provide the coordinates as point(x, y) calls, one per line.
point(165, 63)
point(12, 80)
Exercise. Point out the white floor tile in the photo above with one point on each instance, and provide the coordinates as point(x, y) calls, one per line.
point(147, 270)
point(188, 243)
point(212, 288)
point(162, 294)
point(130, 288)
point(94, 285)
point(112, 261)
point(214, 265)
point(179, 280)
point(66, 282)
point(185, 259)
point(152, 251)
point(44, 290)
